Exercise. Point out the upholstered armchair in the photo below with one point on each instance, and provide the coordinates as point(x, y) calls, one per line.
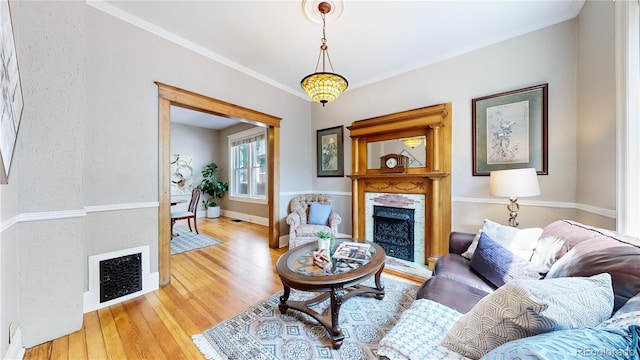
point(309, 214)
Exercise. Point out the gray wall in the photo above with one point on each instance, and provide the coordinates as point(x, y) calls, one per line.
point(88, 145)
point(596, 102)
point(89, 137)
point(545, 56)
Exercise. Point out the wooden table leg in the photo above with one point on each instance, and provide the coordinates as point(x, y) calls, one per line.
point(283, 299)
point(337, 336)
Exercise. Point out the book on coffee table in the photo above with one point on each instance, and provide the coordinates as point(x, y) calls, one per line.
point(352, 251)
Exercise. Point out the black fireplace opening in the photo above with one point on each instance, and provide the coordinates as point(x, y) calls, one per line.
point(120, 276)
point(393, 230)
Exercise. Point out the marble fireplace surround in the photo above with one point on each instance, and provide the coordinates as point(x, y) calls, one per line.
point(403, 201)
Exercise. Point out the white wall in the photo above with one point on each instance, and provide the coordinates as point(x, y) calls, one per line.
point(544, 56)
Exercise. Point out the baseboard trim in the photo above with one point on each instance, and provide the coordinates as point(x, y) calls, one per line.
point(246, 217)
point(16, 350)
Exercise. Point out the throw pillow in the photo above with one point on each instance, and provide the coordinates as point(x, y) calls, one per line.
point(523, 308)
point(519, 241)
point(499, 265)
point(620, 343)
point(418, 333)
point(622, 320)
point(319, 213)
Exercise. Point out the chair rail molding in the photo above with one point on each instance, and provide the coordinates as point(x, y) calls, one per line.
point(548, 204)
point(75, 213)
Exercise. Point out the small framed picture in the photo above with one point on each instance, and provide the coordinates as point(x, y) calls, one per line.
point(510, 131)
point(330, 152)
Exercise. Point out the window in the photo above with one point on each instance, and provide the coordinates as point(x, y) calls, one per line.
point(248, 159)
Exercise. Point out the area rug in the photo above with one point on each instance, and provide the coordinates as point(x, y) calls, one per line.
point(190, 240)
point(261, 332)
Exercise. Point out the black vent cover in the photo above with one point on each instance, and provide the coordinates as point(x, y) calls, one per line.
point(120, 276)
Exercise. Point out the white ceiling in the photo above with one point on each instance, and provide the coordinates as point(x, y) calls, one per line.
point(276, 42)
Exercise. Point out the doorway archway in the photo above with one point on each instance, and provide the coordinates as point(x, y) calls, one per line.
point(170, 95)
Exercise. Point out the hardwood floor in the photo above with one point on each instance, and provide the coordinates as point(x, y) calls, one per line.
point(207, 286)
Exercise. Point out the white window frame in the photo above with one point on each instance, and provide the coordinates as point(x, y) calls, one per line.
point(257, 131)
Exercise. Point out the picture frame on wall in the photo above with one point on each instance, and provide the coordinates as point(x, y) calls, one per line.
point(510, 131)
point(11, 103)
point(330, 152)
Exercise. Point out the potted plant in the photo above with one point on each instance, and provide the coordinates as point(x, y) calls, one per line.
point(214, 188)
point(324, 239)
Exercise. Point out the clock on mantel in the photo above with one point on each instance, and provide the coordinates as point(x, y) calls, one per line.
point(393, 163)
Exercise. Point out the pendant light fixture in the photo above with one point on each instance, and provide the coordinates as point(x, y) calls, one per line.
point(412, 142)
point(323, 87)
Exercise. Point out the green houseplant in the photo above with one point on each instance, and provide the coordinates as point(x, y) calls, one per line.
point(324, 239)
point(214, 188)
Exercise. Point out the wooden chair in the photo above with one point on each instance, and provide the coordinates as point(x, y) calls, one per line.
point(191, 212)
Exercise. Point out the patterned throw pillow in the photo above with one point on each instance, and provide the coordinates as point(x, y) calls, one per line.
point(519, 241)
point(524, 308)
point(499, 265)
point(594, 343)
point(622, 320)
point(418, 333)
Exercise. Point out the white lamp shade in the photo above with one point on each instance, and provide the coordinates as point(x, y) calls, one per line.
point(514, 183)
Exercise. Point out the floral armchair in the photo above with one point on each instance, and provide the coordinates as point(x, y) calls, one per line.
point(309, 214)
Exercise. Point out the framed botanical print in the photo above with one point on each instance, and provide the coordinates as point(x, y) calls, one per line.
point(330, 152)
point(510, 131)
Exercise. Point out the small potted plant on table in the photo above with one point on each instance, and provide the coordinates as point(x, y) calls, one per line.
point(214, 188)
point(324, 239)
point(322, 256)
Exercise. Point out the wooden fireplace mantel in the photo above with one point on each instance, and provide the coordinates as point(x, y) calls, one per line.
point(433, 180)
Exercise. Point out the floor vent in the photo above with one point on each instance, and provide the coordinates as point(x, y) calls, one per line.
point(120, 276)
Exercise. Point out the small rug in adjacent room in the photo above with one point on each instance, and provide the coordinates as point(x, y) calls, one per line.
point(261, 332)
point(189, 240)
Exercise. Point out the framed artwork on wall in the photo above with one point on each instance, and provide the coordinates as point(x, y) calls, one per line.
point(181, 174)
point(510, 131)
point(330, 152)
point(11, 92)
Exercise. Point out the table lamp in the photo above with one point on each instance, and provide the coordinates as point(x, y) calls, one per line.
point(514, 183)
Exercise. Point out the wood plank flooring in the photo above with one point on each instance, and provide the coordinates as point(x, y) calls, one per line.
point(207, 286)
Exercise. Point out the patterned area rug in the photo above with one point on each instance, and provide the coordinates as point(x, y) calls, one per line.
point(261, 332)
point(187, 240)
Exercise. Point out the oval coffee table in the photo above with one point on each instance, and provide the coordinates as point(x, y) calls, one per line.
point(339, 283)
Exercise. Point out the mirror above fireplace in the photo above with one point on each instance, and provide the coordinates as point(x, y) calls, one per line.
point(417, 153)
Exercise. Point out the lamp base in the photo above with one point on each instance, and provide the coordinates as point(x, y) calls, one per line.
point(513, 208)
